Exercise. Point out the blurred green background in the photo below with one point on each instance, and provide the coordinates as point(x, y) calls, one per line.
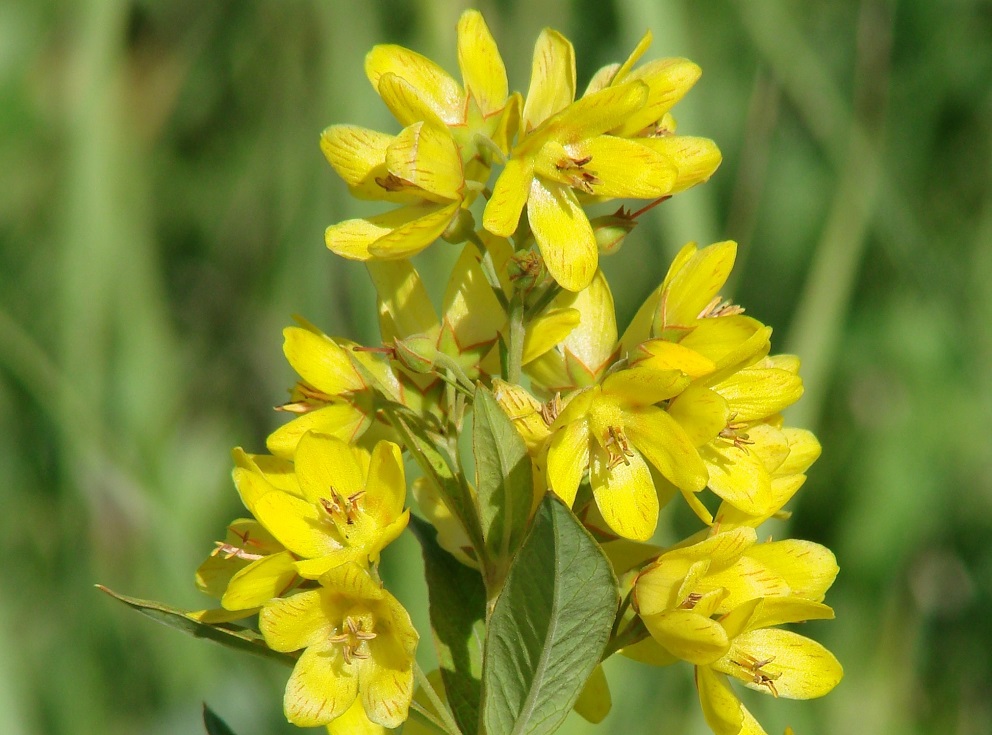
point(162, 202)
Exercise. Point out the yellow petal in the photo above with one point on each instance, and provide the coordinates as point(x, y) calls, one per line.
point(298, 525)
point(601, 78)
point(804, 669)
point(695, 159)
point(320, 361)
point(408, 103)
point(471, 311)
point(639, 329)
point(326, 464)
point(403, 295)
point(594, 701)
point(739, 478)
point(355, 722)
point(259, 582)
point(635, 56)
point(668, 80)
point(358, 155)
point(625, 495)
point(781, 610)
point(665, 445)
point(563, 234)
point(251, 486)
point(641, 386)
point(510, 192)
point(438, 90)
point(660, 354)
point(524, 411)
point(701, 412)
point(727, 340)
point(769, 444)
point(295, 622)
point(568, 457)
point(745, 580)
point(426, 156)
point(340, 419)
point(552, 79)
point(804, 450)
point(754, 394)
point(688, 635)
point(626, 168)
point(480, 62)
point(721, 707)
point(320, 689)
point(808, 568)
point(649, 651)
point(590, 116)
point(387, 677)
point(593, 342)
point(396, 234)
point(551, 328)
point(698, 282)
point(386, 485)
point(416, 233)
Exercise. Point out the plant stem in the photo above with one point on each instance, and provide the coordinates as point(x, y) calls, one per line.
point(489, 269)
point(515, 339)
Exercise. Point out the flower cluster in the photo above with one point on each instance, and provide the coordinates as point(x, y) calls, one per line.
point(688, 399)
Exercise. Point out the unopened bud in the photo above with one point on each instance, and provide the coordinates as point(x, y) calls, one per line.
point(460, 228)
point(417, 353)
point(526, 269)
point(611, 230)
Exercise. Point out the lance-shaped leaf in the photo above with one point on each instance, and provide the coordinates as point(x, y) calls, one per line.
point(504, 484)
point(214, 724)
point(232, 636)
point(457, 602)
point(549, 626)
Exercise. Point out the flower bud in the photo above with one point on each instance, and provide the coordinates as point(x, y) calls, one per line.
point(417, 352)
point(611, 230)
point(462, 226)
point(526, 269)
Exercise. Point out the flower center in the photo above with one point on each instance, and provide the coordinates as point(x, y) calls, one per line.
point(343, 510)
point(753, 669)
point(352, 639)
point(615, 443)
point(735, 433)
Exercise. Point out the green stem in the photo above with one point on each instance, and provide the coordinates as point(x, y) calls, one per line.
point(515, 339)
point(447, 720)
point(634, 633)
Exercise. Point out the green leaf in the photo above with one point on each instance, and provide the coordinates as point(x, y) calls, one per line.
point(227, 634)
point(457, 602)
point(504, 484)
point(549, 626)
point(436, 466)
point(214, 724)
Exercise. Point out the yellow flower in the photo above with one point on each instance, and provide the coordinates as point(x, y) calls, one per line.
point(668, 80)
point(752, 587)
point(414, 88)
point(348, 508)
point(766, 659)
point(246, 570)
point(359, 645)
point(566, 151)
point(614, 429)
point(420, 168)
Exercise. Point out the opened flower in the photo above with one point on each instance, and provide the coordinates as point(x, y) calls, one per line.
point(349, 506)
point(359, 645)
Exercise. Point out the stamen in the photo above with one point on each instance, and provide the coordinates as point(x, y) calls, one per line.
point(753, 667)
point(735, 434)
point(617, 447)
point(351, 638)
point(720, 307)
point(230, 551)
point(551, 409)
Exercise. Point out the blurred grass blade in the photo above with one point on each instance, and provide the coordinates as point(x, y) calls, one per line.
point(232, 636)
